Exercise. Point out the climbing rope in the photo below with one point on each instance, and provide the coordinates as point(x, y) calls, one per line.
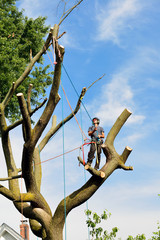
point(64, 177)
point(85, 179)
point(83, 134)
point(76, 91)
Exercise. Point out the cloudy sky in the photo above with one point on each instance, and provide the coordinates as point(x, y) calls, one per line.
point(118, 38)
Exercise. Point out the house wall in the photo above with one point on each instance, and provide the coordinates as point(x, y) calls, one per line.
point(7, 236)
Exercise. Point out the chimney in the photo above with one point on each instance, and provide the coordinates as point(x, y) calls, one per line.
point(24, 230)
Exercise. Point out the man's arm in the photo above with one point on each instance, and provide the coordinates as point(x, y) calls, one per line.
point(91, 132)
point(102, 135)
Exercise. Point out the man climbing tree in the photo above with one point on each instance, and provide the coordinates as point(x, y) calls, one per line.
point(16, 100)
point(97, 134)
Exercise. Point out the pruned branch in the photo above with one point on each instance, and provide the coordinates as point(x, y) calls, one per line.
point(53, 97)
point(117, 126)
point(26, 116)
point(127, 151)
point(92, 170)
point(10, 178)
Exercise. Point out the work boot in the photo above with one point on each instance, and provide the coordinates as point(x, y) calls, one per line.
point(88, 163)
point(96, 167)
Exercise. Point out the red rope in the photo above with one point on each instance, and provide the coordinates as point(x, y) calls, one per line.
point(82, 146)
point(83, 150)
point(83, 134)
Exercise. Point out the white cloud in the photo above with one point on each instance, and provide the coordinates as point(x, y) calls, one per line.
point(116, 96)
point(115, 17)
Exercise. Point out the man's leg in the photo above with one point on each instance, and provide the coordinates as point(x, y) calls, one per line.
point(98, 157)
point(91, 154)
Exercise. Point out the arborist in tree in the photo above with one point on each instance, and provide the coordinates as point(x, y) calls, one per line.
point(97, 134)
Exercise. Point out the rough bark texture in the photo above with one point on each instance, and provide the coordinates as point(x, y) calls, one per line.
point(43, 222)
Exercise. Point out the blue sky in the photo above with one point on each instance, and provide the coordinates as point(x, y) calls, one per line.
point(121, 39)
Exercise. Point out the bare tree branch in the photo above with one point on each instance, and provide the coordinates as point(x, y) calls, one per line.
point(53, 129)
point(65, 14)
point(10, 178)
point(95, 82)
point(19, 122)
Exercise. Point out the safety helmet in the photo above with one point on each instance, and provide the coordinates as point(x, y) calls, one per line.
point(98, 121)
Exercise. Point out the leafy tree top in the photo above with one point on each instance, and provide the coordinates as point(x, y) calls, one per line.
point(21, 38)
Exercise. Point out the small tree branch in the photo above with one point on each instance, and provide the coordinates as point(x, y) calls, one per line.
point(61, 35)
point(65, 14)
point(19, 122)
point(38, 107)
point(127, 151)
point(53, 131)
point(10, 178)
point(26, 116)
point(124, 167)
point(95, 82)
point(9, 94)
point(123, 159)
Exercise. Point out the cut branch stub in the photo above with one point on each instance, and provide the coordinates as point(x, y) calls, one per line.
point(92, 170)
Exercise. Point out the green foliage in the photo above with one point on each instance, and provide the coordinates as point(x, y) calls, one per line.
point(138, 237)
point(97, 232)
point(19, 35)
point(156, 235)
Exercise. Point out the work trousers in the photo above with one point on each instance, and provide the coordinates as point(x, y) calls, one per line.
point(94, 147)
